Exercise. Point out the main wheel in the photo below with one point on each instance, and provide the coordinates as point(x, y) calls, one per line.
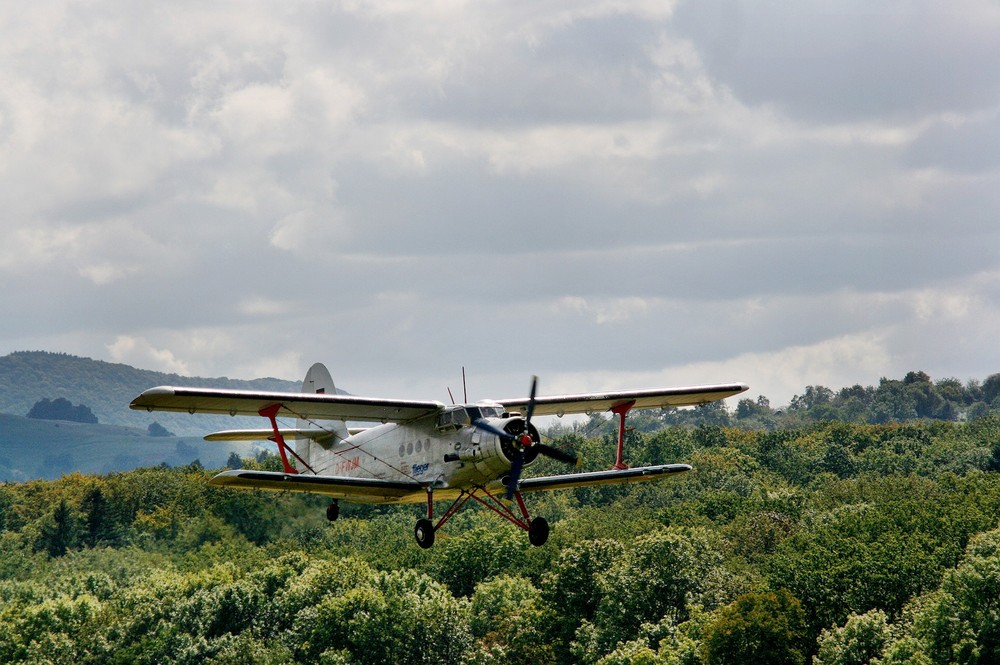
point(538, 531)
point(333, 511)
point(424, 531)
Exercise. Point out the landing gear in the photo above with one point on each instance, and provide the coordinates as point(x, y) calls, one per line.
point(424, 532)
point(333, 511)
point(538, 528)
point(538, 531)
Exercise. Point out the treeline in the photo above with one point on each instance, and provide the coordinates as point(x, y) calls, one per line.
point(915, 397)
point(839, 542)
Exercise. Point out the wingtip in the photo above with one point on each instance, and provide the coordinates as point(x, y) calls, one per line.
point(144, 401)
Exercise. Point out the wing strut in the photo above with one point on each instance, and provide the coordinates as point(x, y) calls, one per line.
point(621, 410)
point(271, 413)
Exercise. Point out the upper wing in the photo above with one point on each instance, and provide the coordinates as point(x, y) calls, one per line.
point(266, 434)
point(655, 398)
point(309, 406)
point(613, 477)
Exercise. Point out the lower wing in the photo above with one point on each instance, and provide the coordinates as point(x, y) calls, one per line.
point(374, 490)
point(613, 477)
point(359, 490)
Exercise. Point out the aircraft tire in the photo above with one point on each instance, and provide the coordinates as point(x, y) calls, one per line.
point(333, 511)
point(424, 532)
point(538, 531)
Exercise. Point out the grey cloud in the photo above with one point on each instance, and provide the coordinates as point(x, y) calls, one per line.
point(517, 193)
point(591, 70)
point(850, 60)
point(970, 146)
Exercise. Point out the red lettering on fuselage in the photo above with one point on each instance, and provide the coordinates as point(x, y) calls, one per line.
point(346, 465)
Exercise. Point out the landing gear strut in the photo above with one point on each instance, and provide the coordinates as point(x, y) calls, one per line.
point(537, 528)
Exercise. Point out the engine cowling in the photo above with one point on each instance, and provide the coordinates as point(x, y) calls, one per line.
point(516, 428)
point(492, 455)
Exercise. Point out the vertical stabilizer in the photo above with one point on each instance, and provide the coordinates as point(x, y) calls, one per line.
point(318, 380)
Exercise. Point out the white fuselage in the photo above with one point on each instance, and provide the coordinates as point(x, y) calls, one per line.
point(445, 455)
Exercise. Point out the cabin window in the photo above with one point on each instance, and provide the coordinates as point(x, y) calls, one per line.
point(402, 449)
point(409, 448)
point(419, 445)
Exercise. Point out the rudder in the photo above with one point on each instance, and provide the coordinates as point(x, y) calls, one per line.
point(319, 381)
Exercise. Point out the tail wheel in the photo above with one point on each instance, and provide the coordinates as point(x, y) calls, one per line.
point(424, 532)
point(538, 531)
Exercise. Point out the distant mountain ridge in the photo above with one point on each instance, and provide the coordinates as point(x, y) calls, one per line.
point(107, 388)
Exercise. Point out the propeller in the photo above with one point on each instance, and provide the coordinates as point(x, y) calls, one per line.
point(523, 442)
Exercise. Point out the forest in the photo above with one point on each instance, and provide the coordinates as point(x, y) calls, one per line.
point(799, 537)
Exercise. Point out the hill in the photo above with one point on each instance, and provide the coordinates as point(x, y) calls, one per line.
point(31, 449)
point(107, 388)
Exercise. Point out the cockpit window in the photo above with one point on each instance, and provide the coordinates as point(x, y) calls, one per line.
point(453, 417)
point(462, 416)
point(489, 410)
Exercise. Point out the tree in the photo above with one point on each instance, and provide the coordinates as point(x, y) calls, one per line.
point(756, 628)
point(812, 397)
point(156, 429)
point(991, 389)
point(61, 409)
point(59, 531)
point(98, 526)
point(893, 403)
point(571, 584)
point(477, 555)
point(860, 641)
point(748, 408)
point(660, 575)
point(507, 621)
point(404, 617)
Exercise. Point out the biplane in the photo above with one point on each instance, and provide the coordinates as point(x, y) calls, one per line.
point(421, 451)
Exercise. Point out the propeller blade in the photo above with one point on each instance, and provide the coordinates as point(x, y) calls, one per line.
point(515, 474)
point(556, 454)
point(531, 400)
point(480, 423)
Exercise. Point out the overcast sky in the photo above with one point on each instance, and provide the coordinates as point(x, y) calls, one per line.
point(607, 194)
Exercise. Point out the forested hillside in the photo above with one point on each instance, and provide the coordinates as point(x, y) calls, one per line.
point(107, 388)
point(845, 541)
point(31, 449)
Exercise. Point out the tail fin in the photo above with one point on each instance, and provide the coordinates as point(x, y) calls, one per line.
point(318, 380)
